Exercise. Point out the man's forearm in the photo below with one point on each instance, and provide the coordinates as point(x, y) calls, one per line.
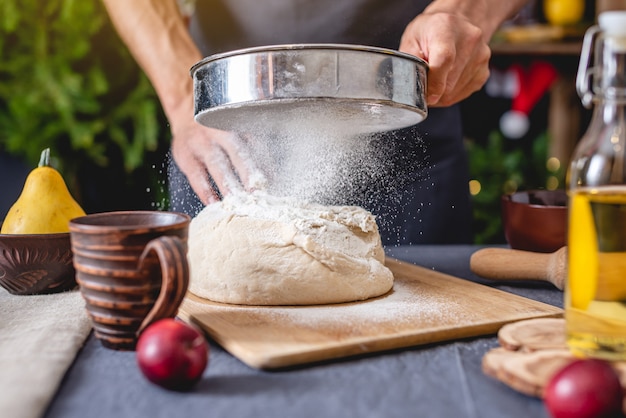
point(157, 36)
point(486, 14)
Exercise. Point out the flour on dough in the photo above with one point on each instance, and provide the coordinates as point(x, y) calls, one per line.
point(259, 249)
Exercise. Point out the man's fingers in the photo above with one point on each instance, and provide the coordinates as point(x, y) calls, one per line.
point(200, 182)
point(243, 162)
point(222, 171)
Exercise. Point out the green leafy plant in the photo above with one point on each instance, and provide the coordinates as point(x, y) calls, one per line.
point(67, 82)
point(500, 167)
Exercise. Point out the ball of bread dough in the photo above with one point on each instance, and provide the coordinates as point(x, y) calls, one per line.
point(258, 249)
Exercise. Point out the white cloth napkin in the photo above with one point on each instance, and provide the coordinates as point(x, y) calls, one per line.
point(39, 338)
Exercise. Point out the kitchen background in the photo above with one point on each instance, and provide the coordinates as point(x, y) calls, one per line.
point(68, 83)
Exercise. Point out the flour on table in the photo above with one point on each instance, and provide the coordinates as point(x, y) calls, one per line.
point(260, 249)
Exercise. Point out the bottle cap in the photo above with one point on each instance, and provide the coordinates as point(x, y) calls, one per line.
point(613, 22)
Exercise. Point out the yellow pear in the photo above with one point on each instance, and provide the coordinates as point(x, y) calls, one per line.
point(45, 205)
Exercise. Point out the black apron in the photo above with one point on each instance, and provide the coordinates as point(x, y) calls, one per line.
point(430, 201)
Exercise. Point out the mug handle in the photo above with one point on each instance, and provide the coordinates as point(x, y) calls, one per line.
point(172, 255)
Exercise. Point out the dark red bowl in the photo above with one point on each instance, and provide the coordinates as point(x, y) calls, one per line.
point(535, 220)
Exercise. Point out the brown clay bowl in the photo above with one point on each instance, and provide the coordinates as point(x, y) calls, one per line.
point(33, 264)
point(535, 220)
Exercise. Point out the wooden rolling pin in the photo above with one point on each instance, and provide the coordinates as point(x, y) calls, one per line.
point(508, 264)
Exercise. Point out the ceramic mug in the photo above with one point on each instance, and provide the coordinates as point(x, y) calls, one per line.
point(131, 268)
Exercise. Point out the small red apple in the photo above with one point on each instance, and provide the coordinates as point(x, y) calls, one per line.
point(172, 354)
point(585, 388)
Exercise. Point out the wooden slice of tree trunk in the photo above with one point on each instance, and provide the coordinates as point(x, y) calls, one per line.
point(525, 372)
point(533, 334)
point(531, 373)
point(531, 352)
point(494, 360)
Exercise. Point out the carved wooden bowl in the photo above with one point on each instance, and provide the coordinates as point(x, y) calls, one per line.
point(36, 263)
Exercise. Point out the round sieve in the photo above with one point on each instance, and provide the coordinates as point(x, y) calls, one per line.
point(360, 89)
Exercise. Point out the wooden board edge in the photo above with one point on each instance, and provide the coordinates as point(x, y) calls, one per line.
point(380, 346)
point(468, 282)
point(355, 348)
point(345, 350)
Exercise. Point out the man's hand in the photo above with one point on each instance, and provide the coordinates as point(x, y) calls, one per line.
point(453, 37)
point(215, 162)
point(456, 51)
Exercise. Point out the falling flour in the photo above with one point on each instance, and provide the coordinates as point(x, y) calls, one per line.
point(319, 157)
point(324, 155)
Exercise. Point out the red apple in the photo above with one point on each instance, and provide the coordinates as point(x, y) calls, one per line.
point(585, 388)
point(172, 354)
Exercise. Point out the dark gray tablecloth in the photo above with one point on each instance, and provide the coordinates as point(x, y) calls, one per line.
point(442, 380)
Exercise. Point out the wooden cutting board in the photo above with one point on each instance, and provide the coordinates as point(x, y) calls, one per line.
point(424, 306)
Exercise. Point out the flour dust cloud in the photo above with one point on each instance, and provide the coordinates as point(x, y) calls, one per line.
point(322, 155)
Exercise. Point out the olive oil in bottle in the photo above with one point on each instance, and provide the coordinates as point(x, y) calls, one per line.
point(595, 295)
